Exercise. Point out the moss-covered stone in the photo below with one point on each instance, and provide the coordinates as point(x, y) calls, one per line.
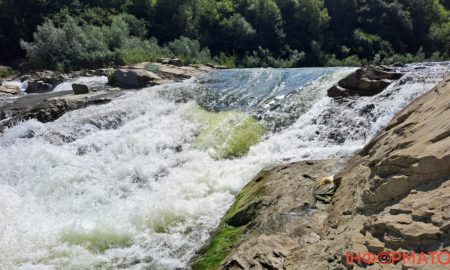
point(233, 226)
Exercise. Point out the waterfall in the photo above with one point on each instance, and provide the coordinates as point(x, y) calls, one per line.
point(139, 183)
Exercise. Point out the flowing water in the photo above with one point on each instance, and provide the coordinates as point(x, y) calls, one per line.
point(139, 183)
point(92, 82)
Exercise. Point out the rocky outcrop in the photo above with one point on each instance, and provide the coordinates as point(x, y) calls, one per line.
point(133, 78)
point(276, 213)
point(392, 199)
point(44, 81)
point(9, 90)
point(363, 82)
point(50, 106)
point(396, 190)
point(148, 74)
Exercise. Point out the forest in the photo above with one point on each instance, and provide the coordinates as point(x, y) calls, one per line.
point(77, 34)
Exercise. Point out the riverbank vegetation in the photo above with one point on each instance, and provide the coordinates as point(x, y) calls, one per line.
point(74, 34)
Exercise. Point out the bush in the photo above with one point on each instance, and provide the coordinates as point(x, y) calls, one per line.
point(350, 61)
point(264, 58)
point(48, 48)
point(189, 51)
point(6, 72)
point(136, 50)
point(225, 60)
point(78, 44)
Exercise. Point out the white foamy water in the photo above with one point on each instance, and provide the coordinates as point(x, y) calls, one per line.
point(92, 82)
point(22, 85)
point(121, 185)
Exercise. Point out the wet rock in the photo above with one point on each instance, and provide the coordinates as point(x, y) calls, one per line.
point(40, 86)
point(133, 78)
point(50, 106)
point(338, 92)
point(368, 109)
point(44, 81)
point(276, 212)
point(363, 82)
point(80, 89)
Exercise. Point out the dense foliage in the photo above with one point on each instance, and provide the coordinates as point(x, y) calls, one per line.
point(88, 33)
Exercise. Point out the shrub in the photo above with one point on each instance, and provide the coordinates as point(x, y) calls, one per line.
point(48, 48)
point(189, 51)
point(136, 50)
point(6, 72)
point(264, 58)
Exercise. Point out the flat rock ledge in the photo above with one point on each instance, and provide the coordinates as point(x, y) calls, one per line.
point(393, 196)
point(48, 106)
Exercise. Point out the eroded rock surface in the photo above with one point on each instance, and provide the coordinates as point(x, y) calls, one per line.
point(364, 82)
point(396, 190)
point(393, 196)
point(277, 212)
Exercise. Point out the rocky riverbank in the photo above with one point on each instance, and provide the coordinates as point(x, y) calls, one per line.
point(39, 102)
point(393, 196)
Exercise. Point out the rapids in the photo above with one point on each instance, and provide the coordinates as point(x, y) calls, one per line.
point(139, 183)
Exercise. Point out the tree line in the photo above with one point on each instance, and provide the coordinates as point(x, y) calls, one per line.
point(73, 34)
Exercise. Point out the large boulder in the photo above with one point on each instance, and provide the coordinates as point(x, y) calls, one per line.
point(132, 78)
point(9, 90)
point(363, 82)
point(80, 89)
point(44, 81)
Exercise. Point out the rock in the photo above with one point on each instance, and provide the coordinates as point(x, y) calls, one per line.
point(164, 61)
point(176, 62)
point(394, 195)
point(358, 84)
point(277, 214)
point(338, 92)
point(398, 186)
point(80, 89)
point(39, 86)
point(378, 74)
point(363, 82)
point(9, 90)
point(325, 189)
point(50, 106)
point(132, 79)
point(398, 64)
point(170, 61)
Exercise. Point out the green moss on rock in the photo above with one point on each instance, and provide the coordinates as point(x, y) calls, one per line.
point(234, 225)
point(228, 134)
